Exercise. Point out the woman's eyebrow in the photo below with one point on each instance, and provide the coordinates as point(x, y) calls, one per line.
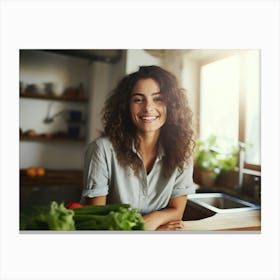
point(142, 94)
point(136, 93)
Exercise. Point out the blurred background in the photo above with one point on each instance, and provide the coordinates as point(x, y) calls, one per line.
point(63, 91)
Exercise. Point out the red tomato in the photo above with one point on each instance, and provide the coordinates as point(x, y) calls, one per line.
point(73, 205)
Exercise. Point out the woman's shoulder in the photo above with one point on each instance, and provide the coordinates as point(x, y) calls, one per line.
point(101, 142)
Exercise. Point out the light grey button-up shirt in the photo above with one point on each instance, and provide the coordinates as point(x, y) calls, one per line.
point(146, 192)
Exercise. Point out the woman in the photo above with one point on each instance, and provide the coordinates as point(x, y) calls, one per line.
point(143, 157)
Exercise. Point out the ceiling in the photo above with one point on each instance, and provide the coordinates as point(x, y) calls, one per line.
point(195, 54)
point(113, 55)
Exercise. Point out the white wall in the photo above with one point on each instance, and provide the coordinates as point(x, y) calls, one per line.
point(118, 71)
point(191, 83)
point(51, 155)
point(136, 58)
point(172, 60)
point(99, 87)
point(103, 78)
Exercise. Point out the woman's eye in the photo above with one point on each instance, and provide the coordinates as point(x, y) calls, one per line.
point(159, 99)
point(138, 100)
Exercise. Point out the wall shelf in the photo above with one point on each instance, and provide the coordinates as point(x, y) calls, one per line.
point(54, 97)
point(51, 139)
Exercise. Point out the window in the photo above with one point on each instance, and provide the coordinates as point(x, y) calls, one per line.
point(230, 102)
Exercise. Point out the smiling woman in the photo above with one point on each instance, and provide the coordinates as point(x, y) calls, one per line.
point(148, 113)
point(144, 157)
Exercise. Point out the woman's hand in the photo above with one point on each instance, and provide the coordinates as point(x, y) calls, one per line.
point(173, 225)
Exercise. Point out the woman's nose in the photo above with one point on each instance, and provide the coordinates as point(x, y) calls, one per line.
point(148, 106)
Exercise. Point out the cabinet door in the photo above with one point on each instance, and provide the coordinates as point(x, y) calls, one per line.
point(42, 195)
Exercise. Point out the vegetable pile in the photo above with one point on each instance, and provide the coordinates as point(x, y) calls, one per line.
point(108, 217)
point(53, 217)
point(79, 217)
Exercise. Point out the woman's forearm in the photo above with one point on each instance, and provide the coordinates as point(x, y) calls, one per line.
point(155, 219)
point(173, 212)
point(99, 200)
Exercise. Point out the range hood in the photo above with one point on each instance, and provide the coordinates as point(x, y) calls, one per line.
point(103, 55)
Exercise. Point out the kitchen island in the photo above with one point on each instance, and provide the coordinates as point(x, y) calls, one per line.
point(244, 220)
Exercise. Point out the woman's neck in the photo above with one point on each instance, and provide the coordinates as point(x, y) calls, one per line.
point(147, 147)
point(148, 142)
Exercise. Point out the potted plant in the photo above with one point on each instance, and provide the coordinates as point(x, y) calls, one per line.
point(211, 159)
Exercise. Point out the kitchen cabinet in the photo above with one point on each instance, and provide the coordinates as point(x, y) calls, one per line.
point(57, 185)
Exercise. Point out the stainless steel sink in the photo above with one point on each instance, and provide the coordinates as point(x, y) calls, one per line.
point(221, 203)
point(194, 211)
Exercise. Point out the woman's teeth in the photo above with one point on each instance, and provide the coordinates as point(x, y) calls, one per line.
point(148, 118)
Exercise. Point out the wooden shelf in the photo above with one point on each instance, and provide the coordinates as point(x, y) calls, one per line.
point(54, 97)
point(51, 139)
point(53, 178)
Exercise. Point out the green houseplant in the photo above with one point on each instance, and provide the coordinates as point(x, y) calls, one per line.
point(211, 159)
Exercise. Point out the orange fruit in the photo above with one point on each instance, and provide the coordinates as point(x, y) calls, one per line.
point(40, 171)
point(31, 171)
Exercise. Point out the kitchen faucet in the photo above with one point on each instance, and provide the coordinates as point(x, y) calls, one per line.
point(242, 171)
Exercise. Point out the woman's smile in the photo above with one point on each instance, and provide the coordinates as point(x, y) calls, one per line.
point(148, 118)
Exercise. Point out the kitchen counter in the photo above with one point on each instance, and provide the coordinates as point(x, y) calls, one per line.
point(246, 220)
point(53, 177)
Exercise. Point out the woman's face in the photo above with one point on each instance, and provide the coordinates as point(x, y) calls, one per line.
point(147, 106)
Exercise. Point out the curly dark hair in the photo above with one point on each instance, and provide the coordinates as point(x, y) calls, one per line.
point(176, 135)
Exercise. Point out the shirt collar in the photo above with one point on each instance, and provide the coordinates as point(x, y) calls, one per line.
point(160, 152)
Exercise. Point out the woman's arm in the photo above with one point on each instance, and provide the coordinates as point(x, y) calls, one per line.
point(168, 218)
point(99, 200)
point(165, 219)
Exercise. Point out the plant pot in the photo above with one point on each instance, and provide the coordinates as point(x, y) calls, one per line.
point(208, 178)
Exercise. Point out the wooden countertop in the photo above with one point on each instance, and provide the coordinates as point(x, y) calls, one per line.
point(247, 220)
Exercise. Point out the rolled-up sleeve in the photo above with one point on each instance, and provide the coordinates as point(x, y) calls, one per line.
point(96, 172)
point(184, 181)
